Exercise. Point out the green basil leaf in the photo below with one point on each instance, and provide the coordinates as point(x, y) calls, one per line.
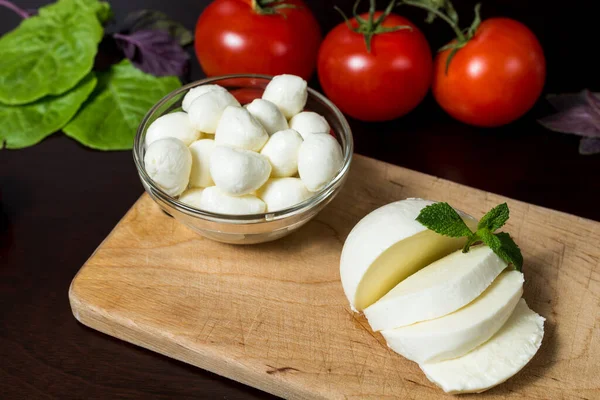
point(50, 52)
point(110, 118)
point(26, 125)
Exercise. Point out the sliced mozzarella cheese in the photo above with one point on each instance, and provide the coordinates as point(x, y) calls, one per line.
point(308, 122)
point(215, 200)
point(237, 171)
point(169, 163)
point(175, 125)
point(201, 151)
point(387, 246)
point(281, 193)
point(282, 151)
point(456, 334)
point(438, 289)
point(319, 160)
point(191, 197)
point(196, 92)
point(206, 110)
point(238, 128)
point(268, 114)
point(288, 92)
point(498, 359)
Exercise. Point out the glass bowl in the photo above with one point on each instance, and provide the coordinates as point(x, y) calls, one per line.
point(245, 229)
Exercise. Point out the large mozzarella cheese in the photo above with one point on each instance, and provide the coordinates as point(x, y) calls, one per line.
point(387, 246)
point(237, 171)
point(196, 92)
point(268, 114)
point(238, 128)
point(175, 125)
point(319, 160)
point(201, 151)
point(282, 151)
point(206, 110)
point(309, 122)
point(281, 193)
point(191, 197)
point(169, 163)
point(215, 200)
point(498, 359)
point(438, 289)
point(288, 92)
point(456, 334)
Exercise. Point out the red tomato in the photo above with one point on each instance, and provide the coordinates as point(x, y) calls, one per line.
point(495, 78)
point(231, 37)
point(381, 85)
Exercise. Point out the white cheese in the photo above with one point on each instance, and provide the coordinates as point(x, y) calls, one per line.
point(201, 151)
point(456, 334)
point(237, 171)
point(387, 246)
point(169, 163)
point(196, 92)
point(206, 110)
point(319, 160)
point(308, 122)
point(282, 150)
point(215, 200)
point(498, 359)
point(268, 114)
point(191, 197)
point(438, 289)
point(281, 193)
point(175, 125)
point(288, 92)
point(238, 128)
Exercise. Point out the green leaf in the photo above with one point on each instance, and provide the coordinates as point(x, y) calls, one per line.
point(495, 218)
point(156, 20)
point(26, 125)
point(100, 8)
point(110, 118)
point(48, 53)
point(504, 246)
point(443, 219)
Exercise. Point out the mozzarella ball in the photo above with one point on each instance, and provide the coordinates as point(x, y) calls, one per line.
point(191, 197)
point(282, 151)
point(281, 193)
point(215, 200)
point(268, 115)
point(175, 125)
point(319, 159)
point(288, 92)
point(196, 92)
point(308, 122)
point(169, 163)
point(201, 151)
point(238, 171)
point(238, 128)
point(206, 110)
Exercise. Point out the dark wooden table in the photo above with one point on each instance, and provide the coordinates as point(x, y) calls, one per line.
point(59, 200)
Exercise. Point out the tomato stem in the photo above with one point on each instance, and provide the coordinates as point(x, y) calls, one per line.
point(434, 10)
point(270, 7)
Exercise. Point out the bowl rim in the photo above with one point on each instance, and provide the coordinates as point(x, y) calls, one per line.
point(299, 208)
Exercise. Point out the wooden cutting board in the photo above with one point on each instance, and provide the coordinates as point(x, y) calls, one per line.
point(274, 315)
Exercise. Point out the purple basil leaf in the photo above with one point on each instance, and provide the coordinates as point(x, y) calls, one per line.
point(156, 20)
point(17, 10)
point(593, 101)
point(579, 120)
point(564, 101)
point(588, 146)
point(154, 52)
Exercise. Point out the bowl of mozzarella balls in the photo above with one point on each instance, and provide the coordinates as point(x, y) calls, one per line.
point(243, 159)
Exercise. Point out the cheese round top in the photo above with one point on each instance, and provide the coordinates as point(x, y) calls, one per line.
point(175, 125)
point(206, 110)
point(319, 160)
point(282, 150)
point(238, 171)
point(268, 115)
point(169, 163)
point(215, 200)
point(196, 92)
point(309, 122)
point(238, 128)
point(201, 151)
point(288, 92)
point(282, 193)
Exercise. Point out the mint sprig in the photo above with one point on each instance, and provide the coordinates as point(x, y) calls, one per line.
point(443, 219)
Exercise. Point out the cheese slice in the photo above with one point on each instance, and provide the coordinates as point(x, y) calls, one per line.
point(456, 334)
point(492, 363)
point(387, 246)
point(439, 289)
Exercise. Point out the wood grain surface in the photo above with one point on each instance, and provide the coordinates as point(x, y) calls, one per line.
point(274, 315)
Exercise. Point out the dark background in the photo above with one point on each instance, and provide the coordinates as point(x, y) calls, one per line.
point(59, 200)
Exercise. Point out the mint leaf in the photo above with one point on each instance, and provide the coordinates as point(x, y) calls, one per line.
point(26, 125)
point(509, 251)
point(495, 218)
point(110, 118)
point(49, 53)
point(443, 219)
